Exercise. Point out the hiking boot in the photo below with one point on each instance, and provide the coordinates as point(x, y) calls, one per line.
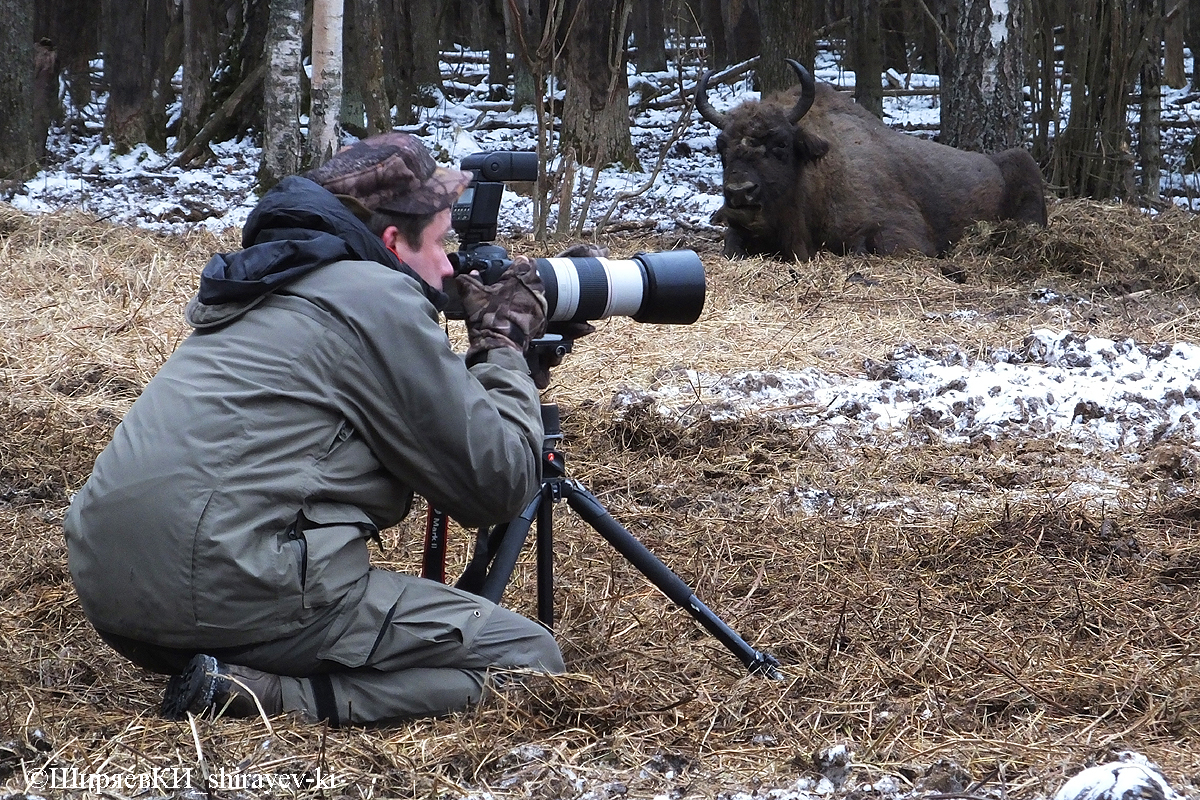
point(227, 689)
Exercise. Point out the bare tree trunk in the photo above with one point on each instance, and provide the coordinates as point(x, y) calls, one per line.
point(364, 99)
point(1044, 86)
point(524, 23)
point(46, 107)
point(649, 35)
point(983, 97)
point(596, 102)
point(412, 59)
point(787, 32)
point(76, 45)
point(894, 32)
point(242, 38)
point(1092, 153)
point(1191, 37)
point(1150, 118)
point(326, 107)
point(281, 133)
point(170, 63)
point(712, 24)
point(1174, 71)
point(200, 58)
point(743, 29)
point(925, 34)
point(866, 54)
point(135, 31)
point(946, 21)
point(18, 150)
point(492, 22)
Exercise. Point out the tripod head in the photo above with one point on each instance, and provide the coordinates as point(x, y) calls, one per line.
point(545, 352)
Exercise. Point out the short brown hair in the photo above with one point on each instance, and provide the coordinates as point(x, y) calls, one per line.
point(410, 226)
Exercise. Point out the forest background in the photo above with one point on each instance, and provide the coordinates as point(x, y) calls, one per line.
point(301, 76)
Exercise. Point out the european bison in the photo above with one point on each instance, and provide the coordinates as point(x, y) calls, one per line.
point(811, 170)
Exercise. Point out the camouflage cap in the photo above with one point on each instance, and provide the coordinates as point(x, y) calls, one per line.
point(390, 172)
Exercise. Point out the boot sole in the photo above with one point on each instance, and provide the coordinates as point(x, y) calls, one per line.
point(191, 690)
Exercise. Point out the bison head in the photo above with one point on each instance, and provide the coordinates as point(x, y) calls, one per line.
point(763, 149)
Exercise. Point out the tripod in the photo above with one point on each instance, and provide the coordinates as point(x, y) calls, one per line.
point(497, 550)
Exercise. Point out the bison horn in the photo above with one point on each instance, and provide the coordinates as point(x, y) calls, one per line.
point(703, 106)
point(808, 92)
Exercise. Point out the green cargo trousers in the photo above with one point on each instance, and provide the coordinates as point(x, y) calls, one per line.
point(395, 647)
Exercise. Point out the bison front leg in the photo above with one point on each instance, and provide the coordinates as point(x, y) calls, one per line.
point(735, 245)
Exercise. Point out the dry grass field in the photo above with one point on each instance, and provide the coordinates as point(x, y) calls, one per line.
point(989, 642)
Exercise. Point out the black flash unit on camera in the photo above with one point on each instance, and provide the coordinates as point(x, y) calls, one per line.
point(474, 215)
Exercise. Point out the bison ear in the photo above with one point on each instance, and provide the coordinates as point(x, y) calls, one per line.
point(809, 147)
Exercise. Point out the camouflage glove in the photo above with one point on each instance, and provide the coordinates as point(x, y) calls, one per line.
point(507, 313)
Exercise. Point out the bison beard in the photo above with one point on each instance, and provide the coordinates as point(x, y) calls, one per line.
point(811, 170)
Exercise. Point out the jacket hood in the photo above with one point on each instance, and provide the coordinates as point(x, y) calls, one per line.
point(296, 228)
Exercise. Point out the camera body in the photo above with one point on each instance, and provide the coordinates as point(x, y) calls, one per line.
point(477, 209)
point(666, 288)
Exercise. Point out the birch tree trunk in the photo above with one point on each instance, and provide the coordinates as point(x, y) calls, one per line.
point(18, 157)
point(983, 96)
point(281, 94)
point(326, 105)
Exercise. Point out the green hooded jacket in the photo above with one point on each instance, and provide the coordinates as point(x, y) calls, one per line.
point(316, 394)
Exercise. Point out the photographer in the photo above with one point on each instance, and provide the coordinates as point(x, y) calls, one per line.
point(223, 534)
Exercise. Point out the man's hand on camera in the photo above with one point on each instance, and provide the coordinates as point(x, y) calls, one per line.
point(507, 313)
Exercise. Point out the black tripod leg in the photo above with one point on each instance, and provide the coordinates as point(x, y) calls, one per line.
point(588, 507)
point(545, 561)
point(505, 559)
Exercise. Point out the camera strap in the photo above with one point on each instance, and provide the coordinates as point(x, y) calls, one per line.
point(433, 560)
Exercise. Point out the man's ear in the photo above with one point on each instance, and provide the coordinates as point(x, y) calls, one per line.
point(389, 236)
point(393, 241)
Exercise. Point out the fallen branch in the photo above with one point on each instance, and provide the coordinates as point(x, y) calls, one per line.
point(223, 114)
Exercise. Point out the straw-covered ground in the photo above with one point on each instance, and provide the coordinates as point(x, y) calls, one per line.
point(989, 650)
